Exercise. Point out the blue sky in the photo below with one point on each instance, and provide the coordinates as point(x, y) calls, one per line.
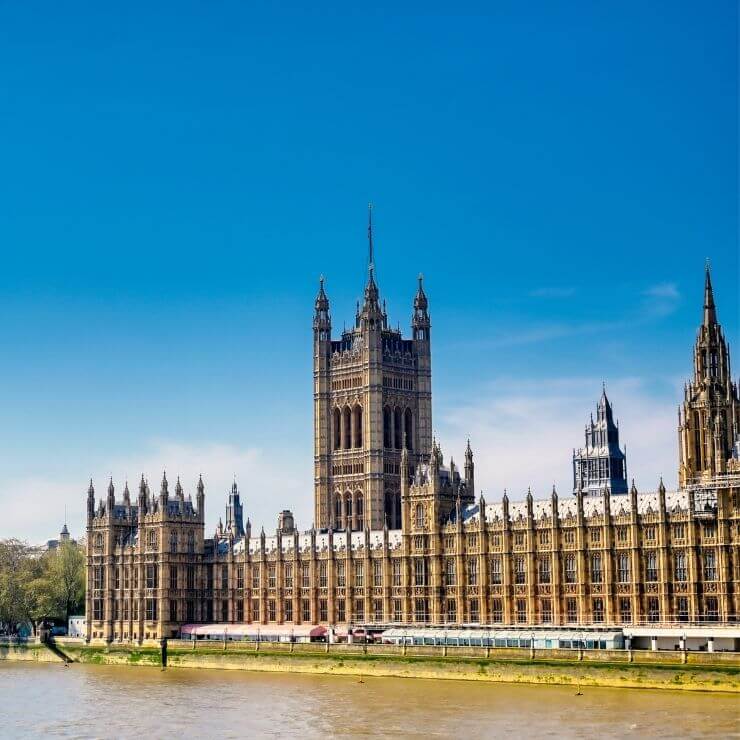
point(175, 177)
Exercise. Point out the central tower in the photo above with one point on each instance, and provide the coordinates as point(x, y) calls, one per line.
point(372, 398)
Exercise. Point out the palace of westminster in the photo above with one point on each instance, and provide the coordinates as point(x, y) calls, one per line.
point(400, 536)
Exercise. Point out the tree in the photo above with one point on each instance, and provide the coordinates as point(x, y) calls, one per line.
point(35, 587)
point(67, 572)
point(13, 557)
point(39, 600)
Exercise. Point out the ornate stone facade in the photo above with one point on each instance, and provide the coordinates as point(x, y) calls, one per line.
point(402, 538)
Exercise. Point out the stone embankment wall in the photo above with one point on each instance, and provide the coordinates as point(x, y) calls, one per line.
point(691, 671)
point(31, 651)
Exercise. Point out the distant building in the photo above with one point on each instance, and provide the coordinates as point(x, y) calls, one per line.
point(52, 545)
point(601, 464)
point(234, 513)
point(76, 626)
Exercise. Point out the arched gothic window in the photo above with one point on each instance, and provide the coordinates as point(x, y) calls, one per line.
point(520, 570)
point(596, 568)
point(348, 507)
point(623, 568)
point(409, 428)
point(390, 509)
point(570, 568)
point(450, 576)
point(338, 509)
point(173, 541)
point(710, 566)
point(347, 427)
point(681, 572)
point(357, 414)
point(359, 508)
point(651, 567)
point(337, 429)
point(397, 429)
point(387, 428)
point(419, 516)
point(544, 569)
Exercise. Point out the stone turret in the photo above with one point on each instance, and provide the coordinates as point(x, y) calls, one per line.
point(321, 316)
point(420, 322)
point(90, 501)
point(111, 499)
point(200, 499)
point(601, 462)
point(164, 494)
point(142, 501)
point(469, 468)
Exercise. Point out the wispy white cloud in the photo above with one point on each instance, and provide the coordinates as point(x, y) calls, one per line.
point(268, 483)
point(663, 290)
point(538, 334)
point(552, 292)
point(523, 432)
point(653, 303)
point(660, 300)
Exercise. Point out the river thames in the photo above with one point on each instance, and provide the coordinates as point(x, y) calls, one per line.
point(122, 702)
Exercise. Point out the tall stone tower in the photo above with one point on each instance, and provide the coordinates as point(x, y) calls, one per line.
point(601, 463)
point(372, 398)
point(709, 418)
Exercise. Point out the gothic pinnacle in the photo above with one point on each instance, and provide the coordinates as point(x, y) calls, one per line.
point(710, 312)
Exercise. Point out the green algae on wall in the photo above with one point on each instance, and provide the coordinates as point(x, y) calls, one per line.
point(598, 674)
point(497, 668)
point(29, 652)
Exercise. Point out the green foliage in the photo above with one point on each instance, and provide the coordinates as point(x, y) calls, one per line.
point(67, 576)
point(36, 586)
point(13, 556)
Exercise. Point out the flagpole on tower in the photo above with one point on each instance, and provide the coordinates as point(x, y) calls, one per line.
point(371, 258)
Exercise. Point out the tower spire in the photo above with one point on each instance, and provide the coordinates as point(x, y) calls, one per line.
point(321, 315)
point(710, 312)
point(711, 400)
point(371, 314)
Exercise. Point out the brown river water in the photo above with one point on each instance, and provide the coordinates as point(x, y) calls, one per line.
point(124, 702)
